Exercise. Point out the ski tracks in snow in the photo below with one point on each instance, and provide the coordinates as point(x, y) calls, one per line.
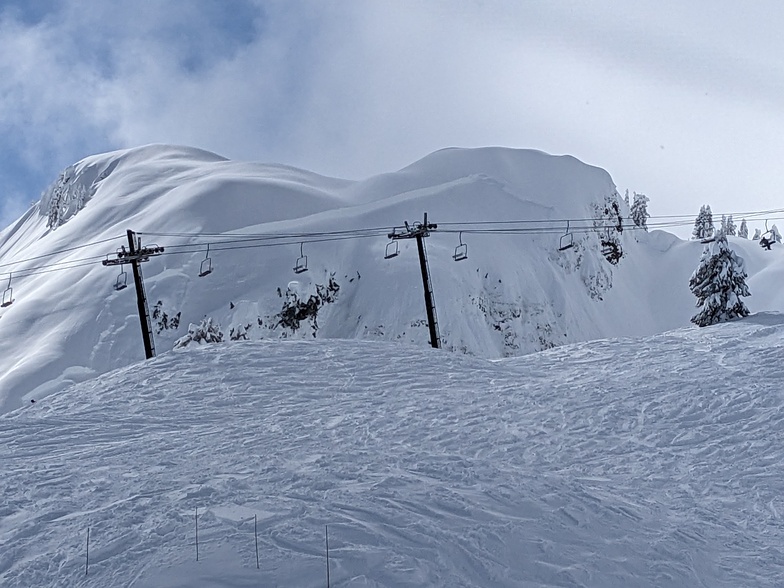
point(648, 462)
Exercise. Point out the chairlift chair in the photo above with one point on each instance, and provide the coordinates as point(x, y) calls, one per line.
point(122, 281)
point(768, 238)
point(8, 294)
point(302, 261)
point(567, 240)
point(392, 250)
point(706, 240)
point(461, 251)
point(206, 265)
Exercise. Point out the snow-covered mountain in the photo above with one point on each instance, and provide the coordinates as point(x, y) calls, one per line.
point(633, 463)
point(515, 293)
point(575, 430)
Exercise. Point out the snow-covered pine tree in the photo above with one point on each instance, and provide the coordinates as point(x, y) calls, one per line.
point(730, 228)
point(639, 210)
point(703, 225)
point(775, 236)
point(743, 231)
point(757, 235)
point(626, 197)
point(718, 283)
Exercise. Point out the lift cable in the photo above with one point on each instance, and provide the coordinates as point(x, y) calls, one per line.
point(49, 269)
point(233, 240)
point(252, 236)
point(59, 251)
point(228, 246)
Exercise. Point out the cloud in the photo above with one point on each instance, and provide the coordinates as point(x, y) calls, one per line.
point(671, 100)
point(97, 76)
point(37, 93)
point(668, 110)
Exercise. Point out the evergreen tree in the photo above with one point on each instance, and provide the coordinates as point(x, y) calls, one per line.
point(718, 283)
point(743, 231)
point(640, 210)
point(757, 235)
point(775, 236)
point(703, 225)
point(730, 228)
point(626, 197)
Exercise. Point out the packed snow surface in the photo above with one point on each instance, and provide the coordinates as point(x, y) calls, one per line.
point(636, 462)
point(516, 293)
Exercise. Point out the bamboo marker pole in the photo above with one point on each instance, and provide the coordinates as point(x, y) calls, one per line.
point(87, 558)
point(256, 537)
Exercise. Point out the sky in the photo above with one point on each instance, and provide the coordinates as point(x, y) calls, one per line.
point(677, 100)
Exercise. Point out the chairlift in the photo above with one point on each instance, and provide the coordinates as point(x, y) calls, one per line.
point(461, 251)
point(766, 242)
point(302, 261)
point(122, 281)
point(392, 250)
point(8, 294)
point(567, 240)
point(206, 265)
point(706, 240)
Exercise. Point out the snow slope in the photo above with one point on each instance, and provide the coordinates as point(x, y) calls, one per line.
point(651, 462)
point(515, 294)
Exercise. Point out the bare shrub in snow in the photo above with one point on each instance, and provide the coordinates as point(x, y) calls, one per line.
point(608, 221)
point(296, 310)
point(163, 320)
